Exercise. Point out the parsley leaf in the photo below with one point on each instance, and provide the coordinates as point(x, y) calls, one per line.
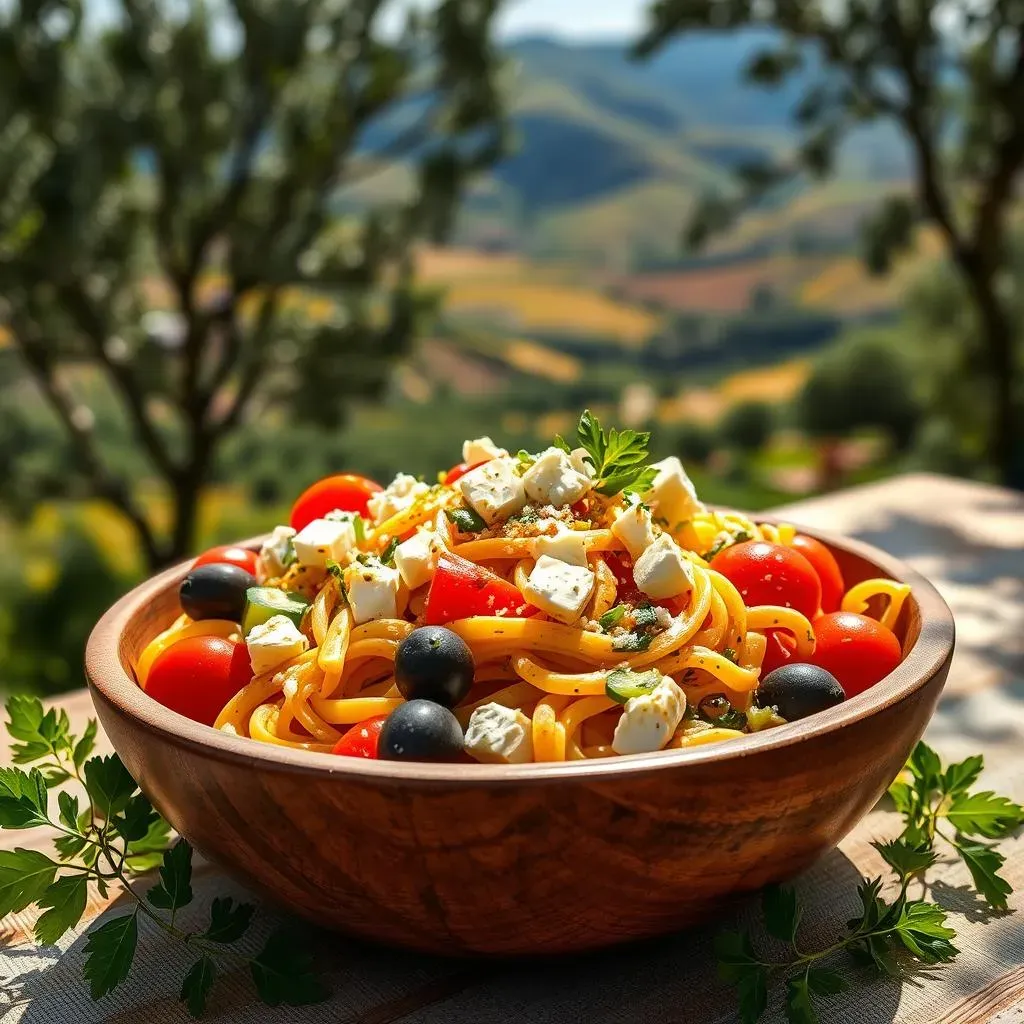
point(195, 989)
point(86, 745)
point(632, 642)
point(921, 927)
point(42, 733)
point(174, 890)
point(619, 457)
point(109, 952)
point(283, 972)
point(228, 920)
point(825, 983)
point(24, 876)
point(984, 814)
point(925, 766)
point(387, 556)
point(798, 1007)
point(23, 798)
point(781, 912)
point(612, 617)
point(984, 862)
point(961, 776)
point(109, 784)
point(65, 900)
point(904, 859)
point(138, 816)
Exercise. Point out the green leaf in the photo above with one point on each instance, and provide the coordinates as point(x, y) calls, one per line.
point(24, 800)
point(926, 767)
point(174, 889)
point(228, 920)
point(69, 812)
point(752, 992)
point(735, 954)
point(465, 520)
point(822, 982)
point(922, 929)
point(799, 1008)
point(618, 457)
point(85, 746)
point(147, 852)
point(873, 906)
point(875, 951)
point(109, 784)
point(984, 863)
point(781, 912)
point(24, 876)
point(66, 900)
point(985, 814)
point(42, 733)
point(632, 642)
point(197, 984)
point(560, 442)
point(612, 617)
point(904, 859)
point(387, 556)
point(645, 616)
point(24, 716)
point(283, 972)
point(904, 797)
point(55, 776)
point(68, 847)
point(109, 952)
point(134, 824)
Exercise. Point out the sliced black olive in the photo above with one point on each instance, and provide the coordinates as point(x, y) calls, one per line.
point(215, 591)
point(798, 690)
point(420, 730)
point(433, 663)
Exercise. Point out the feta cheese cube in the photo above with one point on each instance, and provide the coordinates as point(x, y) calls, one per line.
point(635, 528)
point(324, 540)
point(552, 479)
point(499, 735)
point(569, 546)
point(663, 570)
point(558, 589)
point(396, 497)
point(483, 449)
point(672, 496)
point(416, 558)
point(494, 490)
point(372, 590)
point(648, 722)
point(274, 642)
point(275, 554)
point(580, 461)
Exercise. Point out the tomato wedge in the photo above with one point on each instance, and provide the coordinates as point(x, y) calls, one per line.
point(827, 568)
point(344, 491)
point(362, 739)
point(461, 589)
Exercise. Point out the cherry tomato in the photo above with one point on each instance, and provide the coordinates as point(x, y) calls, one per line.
point(766, 573)
point(857, 650)
point(459, 471)
point(622, 569)
point(581, 508)
point(362, 739)
point(461, 588)
point(779, 649)
point(229, 555)
point(197, 676)
point(344, 491)
point(827, 568)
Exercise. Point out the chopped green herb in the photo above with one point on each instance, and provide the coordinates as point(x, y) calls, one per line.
point(525, 458)
point(465, 520)
point(730, 655)
point(645, 616)
point(529, 514)
point(619, 457)
point(632, 642)
point(334, 569)
point(612, 617)
point(388, 554)
point(359, 525)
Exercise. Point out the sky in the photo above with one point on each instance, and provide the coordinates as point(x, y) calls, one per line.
point(573, 18)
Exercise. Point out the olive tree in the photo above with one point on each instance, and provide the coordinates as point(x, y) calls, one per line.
point(184, 222)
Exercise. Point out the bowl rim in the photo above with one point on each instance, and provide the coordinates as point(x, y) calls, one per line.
point(111, 683)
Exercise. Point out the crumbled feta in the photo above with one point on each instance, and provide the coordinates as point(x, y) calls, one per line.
point(397, 496)
point(372, 590)
point(635, 529)
point(494, 490)
point(580, 460)
point(483, 449)
point(558, 589)
point(274, 642)
point(569, 546)
point(275, 554)
point(553, 480)
point(324, 540)
point(663, 570)
point(416, 558)
point(672, 496)
point(648, 722)
point(499, 735)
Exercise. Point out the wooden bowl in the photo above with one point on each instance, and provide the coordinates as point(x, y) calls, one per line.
point(520, 859)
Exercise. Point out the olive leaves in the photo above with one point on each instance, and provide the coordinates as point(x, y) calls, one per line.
point(886, 938)
point(102, 842)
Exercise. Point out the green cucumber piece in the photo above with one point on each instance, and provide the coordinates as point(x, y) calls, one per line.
point(624, 684)
point(262, 603)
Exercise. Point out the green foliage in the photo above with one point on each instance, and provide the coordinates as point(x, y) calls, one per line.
point(884, 936)
point(748, 426)
point(619, 457)
point(114, 835)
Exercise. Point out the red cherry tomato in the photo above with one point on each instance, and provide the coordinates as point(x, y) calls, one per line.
point(362, 739)
point(459, 471)
point(857, 650)
point(766, 573)
point(197, 676)
point(581, 508)
point(344, 491)
point(229, 555)
point(827, 568)
point(627, 591)
point(461, 588)
point(779, 649)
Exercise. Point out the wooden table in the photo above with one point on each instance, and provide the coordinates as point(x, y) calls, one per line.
point(969, 539)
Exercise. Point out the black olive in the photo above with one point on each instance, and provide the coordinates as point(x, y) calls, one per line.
point(215, 591)
point(433, 663)
point(798, 690)
point(420, 730)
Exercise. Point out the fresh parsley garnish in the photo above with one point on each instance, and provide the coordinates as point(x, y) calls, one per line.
point(934, 802)
point(387, 556)
point(619, 457)
point(612, 617)
point(525, 458)
point(465, 520)
point(644, 617)
point(334, 569)
point(107, 833)
point(632, 642)
point(726, 541)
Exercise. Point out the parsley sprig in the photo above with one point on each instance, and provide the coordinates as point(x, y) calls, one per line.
point(887, 937)
point(105, 840)
point(619, 457)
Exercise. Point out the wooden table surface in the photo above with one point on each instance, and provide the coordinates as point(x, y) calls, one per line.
point(969, 539)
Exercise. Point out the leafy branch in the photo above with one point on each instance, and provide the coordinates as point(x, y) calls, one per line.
point(106, 841)
point(886, 938)
point(619, 457)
